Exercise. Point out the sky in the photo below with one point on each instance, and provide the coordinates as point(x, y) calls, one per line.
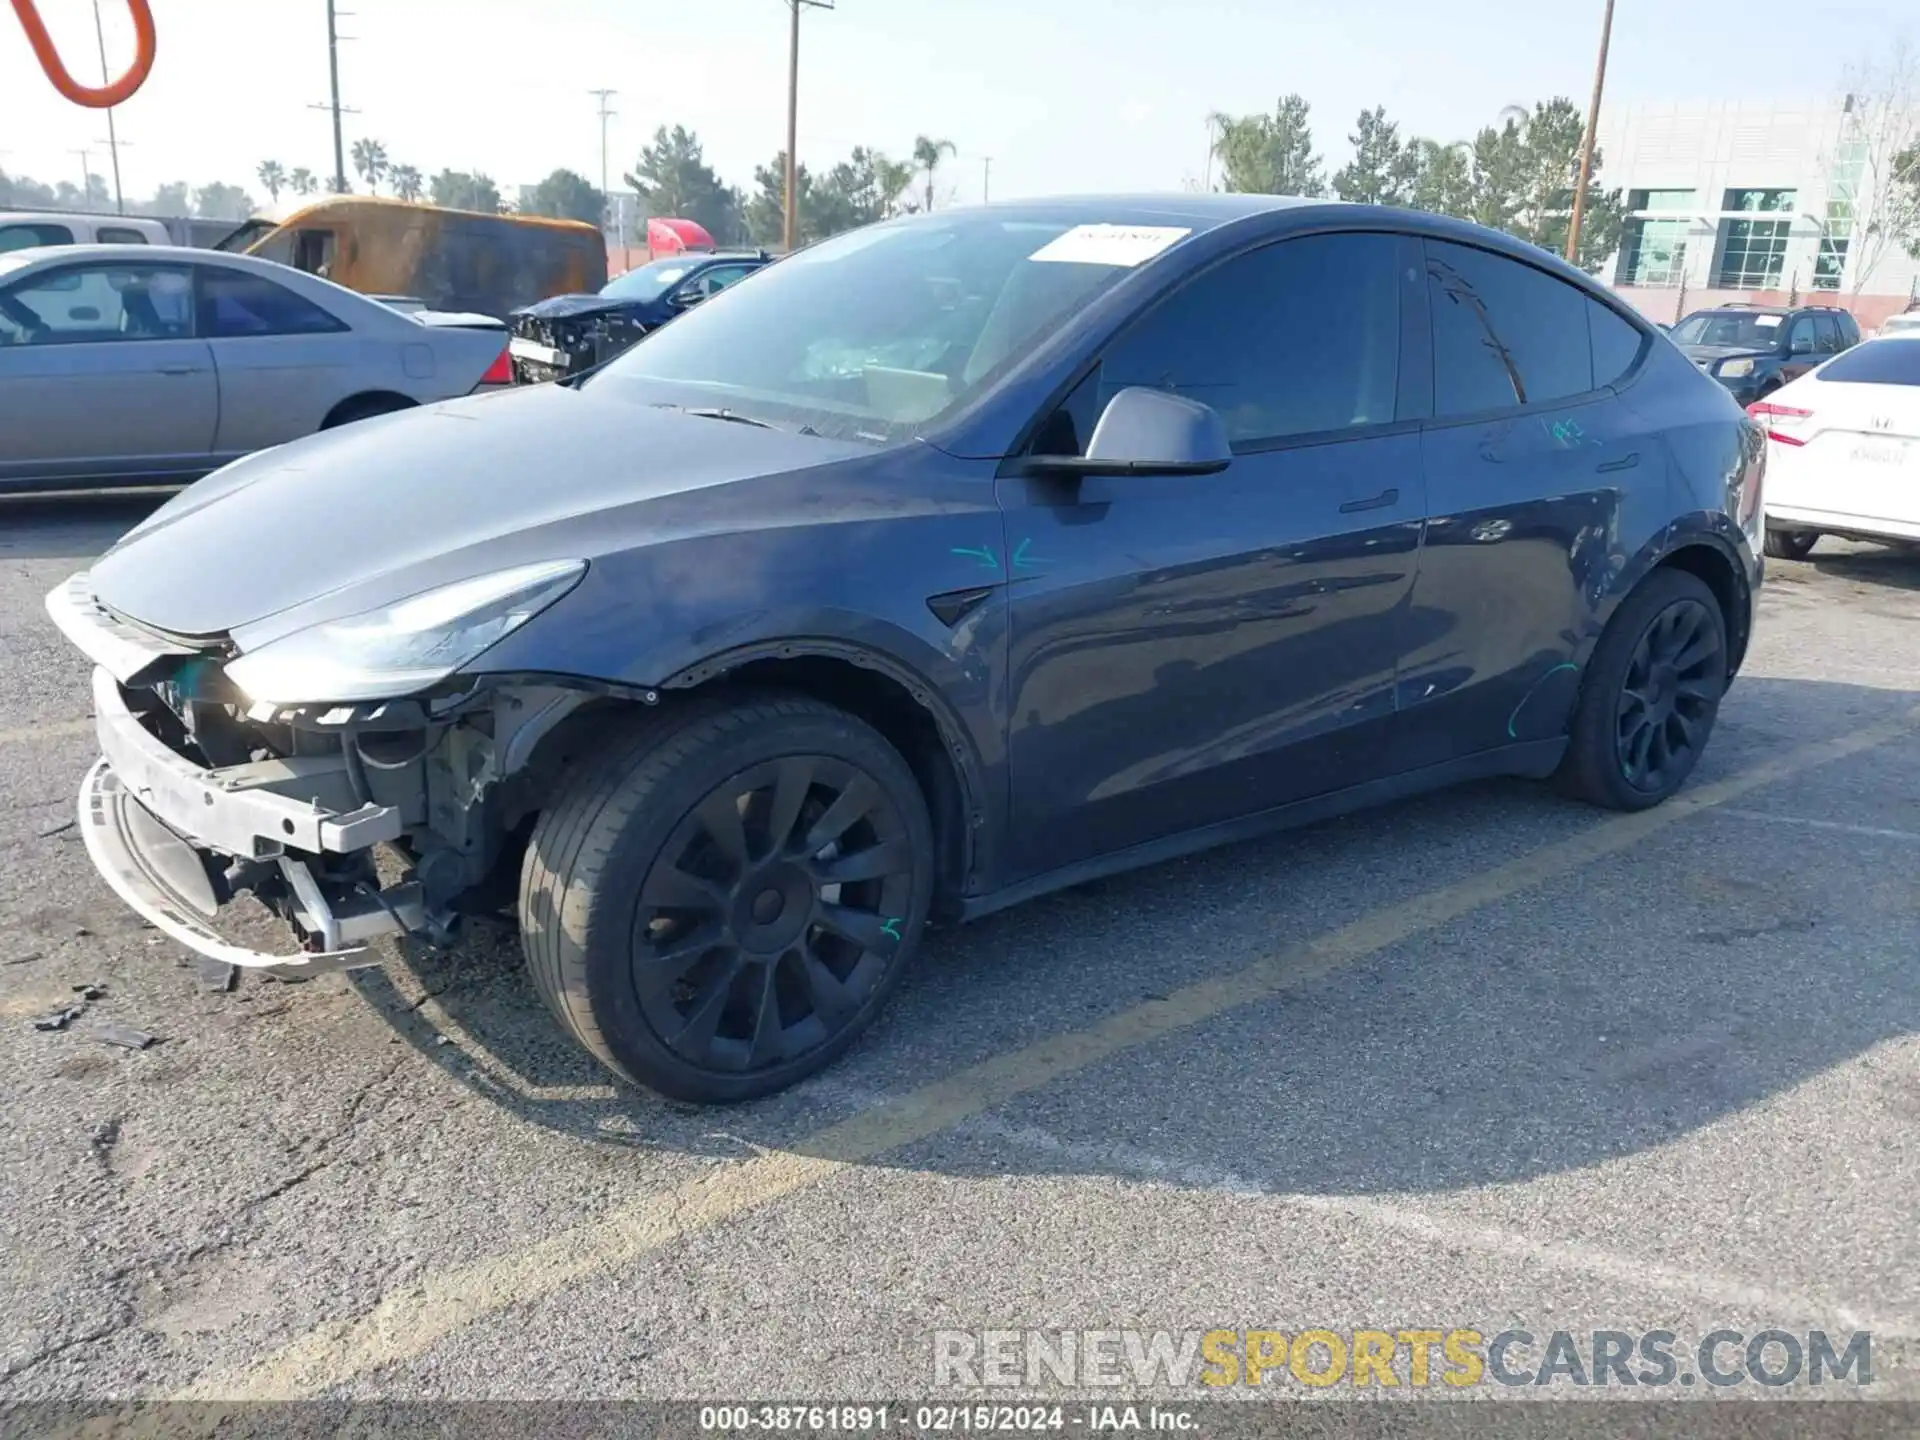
point(1045, 96)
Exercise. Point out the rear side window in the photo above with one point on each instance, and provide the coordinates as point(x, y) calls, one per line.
point(1826, 335)
point(233, 304)
point(121, 235)
point(1504, 334)
point(1297, 338)
point(1877, 362)
point(1615, 343)
point(25, 236)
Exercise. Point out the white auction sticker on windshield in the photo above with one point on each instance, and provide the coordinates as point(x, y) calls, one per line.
point(1766, 322)
point(1121, 245)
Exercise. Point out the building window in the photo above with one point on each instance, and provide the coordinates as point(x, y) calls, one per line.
point(1831, 263)
point(1752, 254)
point(1660, 202)
point(1652, 252)
point(1774, 200)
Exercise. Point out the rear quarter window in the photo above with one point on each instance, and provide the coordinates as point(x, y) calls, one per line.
point(1504, 333)
point(1616, 344)
point(121, 235)
point(1877, 362)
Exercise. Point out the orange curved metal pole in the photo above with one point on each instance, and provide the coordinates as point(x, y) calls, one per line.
point(94, 97)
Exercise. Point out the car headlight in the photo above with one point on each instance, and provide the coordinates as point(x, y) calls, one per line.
point(403, 647)
point(1735, 369)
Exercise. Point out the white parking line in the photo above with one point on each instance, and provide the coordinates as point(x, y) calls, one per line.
point(1838, 827)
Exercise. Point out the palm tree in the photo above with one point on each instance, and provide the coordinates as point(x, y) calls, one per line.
point(370, 160)
point(927, 154)
point(301, 181)
point(406, 182)
point(893, 178)
point(273, 177)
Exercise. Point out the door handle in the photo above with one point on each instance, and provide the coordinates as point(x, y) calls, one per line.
point(1626, 462)
point(1378, 502)
point(179, 369)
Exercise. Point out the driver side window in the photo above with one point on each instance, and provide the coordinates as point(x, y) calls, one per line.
point(85, 304)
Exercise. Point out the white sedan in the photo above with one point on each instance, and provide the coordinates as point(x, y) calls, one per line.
point(1844, 450)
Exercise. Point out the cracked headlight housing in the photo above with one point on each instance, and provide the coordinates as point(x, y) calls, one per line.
point(403, 647)
point(1735, 369)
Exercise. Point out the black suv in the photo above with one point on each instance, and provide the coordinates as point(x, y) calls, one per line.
point(1753, 350)
point(569, 333)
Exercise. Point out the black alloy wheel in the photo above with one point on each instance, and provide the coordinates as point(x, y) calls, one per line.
point(772, 914)
point(1671, 691)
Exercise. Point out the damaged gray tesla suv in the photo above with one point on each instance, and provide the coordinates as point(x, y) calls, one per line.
point(953, 560)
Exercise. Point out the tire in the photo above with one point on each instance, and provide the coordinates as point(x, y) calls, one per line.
point(1790, 544)
point(658, 931)
point(1667, 646)
point(364, 407)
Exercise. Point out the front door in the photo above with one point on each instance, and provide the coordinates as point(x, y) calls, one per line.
point(102, 377)
point(283, 362)
point(1190, 650)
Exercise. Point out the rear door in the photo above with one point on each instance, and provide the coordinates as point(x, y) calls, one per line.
point(102, 377)
point(1531, 467)
point(1803, 347)
point(283, 362)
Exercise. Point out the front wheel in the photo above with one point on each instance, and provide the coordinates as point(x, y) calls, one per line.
point(1650, 695)
point(1790, 544)
point(719, 906)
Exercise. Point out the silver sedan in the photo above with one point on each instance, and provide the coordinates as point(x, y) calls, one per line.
point(153, 365)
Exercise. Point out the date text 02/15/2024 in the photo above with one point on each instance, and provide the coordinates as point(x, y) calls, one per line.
point(979, 1419)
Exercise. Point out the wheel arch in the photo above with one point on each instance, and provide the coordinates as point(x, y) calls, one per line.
point(379, 401)
point(1709, 560)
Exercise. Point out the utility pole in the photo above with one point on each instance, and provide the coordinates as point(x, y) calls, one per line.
point(791, 230)
point(1586, 145)
point(113, 138)
point(86, 177)
point(333, 75)
point(606, 196)
point(986, 179)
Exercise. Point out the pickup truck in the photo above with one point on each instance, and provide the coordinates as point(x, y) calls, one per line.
point(21, 229)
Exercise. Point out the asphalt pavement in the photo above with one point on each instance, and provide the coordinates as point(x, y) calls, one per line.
point(1486, 1060)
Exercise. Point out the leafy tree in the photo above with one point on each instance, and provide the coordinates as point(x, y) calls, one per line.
point(1442, 177)
point(24, 192)
point(766, 208)
point(370, 162)
point(1383, 169)
point(171, 199)
point(218, 201)
point(565, 195)
point(273, 177)
point(301, 180)
point(1270, 154)
point(1905, 194)
point(1881, 136)
point(457, 190)
point(406, 182)
point(674, 179)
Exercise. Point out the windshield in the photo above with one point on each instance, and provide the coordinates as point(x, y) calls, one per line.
point(1723, 327)
point(648, 282)
point(877, 334)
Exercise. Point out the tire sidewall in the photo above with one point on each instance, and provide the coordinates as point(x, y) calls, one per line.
point(624, 1026)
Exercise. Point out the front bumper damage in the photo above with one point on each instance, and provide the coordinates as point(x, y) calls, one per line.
point(200, 797)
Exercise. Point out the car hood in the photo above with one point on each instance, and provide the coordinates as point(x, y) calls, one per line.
point(1711, 353)
point(369, 513)
point(574, 307)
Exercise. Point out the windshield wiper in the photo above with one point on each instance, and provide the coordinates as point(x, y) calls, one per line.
point(718, 412)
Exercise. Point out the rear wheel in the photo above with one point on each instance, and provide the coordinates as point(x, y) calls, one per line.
point(1650, 696)
point(721, 905)
point(364, 407)
point(1790, 544)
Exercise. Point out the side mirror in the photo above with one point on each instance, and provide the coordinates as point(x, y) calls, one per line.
point(686, 299)
point(1148, 432)
point(1801, 345)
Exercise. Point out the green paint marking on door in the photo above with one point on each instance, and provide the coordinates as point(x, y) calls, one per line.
point(988, 560)
point(892, 928)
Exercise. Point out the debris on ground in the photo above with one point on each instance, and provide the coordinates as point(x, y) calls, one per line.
point(61, 1018)
point(55, 830)
point(217, 977)
point(26, 959)
point(123, 1035)
point(91, 992)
